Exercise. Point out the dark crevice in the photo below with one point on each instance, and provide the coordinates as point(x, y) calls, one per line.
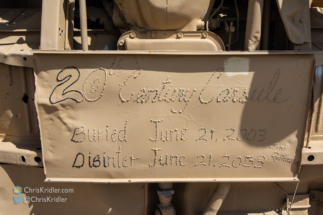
point(25, 98)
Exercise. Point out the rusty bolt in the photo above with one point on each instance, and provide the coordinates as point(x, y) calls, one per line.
point(132, 35)
point(121, 43)
point(204, 34)
point(180, 35)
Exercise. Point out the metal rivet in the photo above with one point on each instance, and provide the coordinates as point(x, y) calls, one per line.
point(132, 35)
point(204, 35)
point(121, 43)
point(180, 35)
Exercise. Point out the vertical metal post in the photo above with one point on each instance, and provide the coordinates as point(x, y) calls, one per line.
point(52, 25)
point(253, 27)
point(69, 24)
point(83, 21)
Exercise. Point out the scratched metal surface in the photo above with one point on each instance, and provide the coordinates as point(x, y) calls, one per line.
point(132, 118)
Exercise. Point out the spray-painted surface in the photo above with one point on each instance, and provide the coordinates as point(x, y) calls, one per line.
point(127, 118)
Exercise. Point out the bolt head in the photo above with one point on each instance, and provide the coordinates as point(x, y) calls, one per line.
point(121, 43)
point(132, 35)
point(204, 35)
point(179, 34)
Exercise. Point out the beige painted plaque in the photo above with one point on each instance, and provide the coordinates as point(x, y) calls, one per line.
point(127, 117)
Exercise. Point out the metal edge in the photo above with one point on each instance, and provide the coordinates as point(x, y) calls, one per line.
point(141, 180)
